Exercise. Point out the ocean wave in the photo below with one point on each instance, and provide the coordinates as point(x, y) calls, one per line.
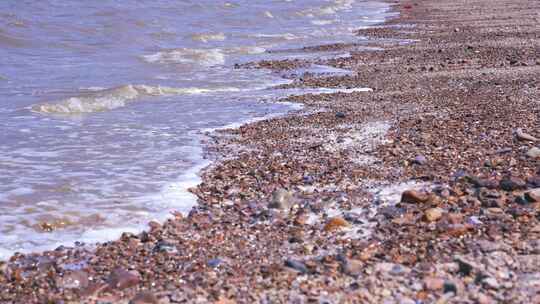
point(109, 99)
point(322, 22)
point(246, 50)
point(209, 37)
point(285, 36)
point(205, 57)
point(337, 6)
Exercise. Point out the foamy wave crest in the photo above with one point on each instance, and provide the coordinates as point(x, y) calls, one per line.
point(209, 37)
point(337, 6)
point(118, 97)
point(206, 57)
point(247, 50)
point(285, 36)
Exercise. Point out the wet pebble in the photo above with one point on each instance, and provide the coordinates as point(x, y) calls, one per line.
point(335, 223)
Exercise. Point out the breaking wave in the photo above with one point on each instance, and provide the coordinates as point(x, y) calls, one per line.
point(205, 57)
point(109, 99)
point(337, 6)
point(209, 37)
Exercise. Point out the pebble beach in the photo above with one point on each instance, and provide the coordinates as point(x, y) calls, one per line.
point(417, 181)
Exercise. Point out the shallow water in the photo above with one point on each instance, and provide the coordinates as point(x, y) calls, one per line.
point(102, 102)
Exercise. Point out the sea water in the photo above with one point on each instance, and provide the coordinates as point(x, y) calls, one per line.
point(102, 103)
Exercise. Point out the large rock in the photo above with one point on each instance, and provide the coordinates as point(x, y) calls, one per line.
point(121, 279)
point(144, 297)
point(433, 214)
point(73, 280)
point(335, 223)
point(433, 283)
point(512, 183)
point(534, 153)
point(414, 197)
point(533, 196)
point(352, 267)
point(297, 265)
point(521, 135)
point(281, 199)
point(420, 160)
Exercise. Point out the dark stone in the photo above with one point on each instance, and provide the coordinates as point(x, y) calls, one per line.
point(449, 287)
point(485, 193)
point(521, 200)
point(308, 179)
point(144, 237)
point(390, 212)
point(163, 246)
point(533, 196)
point(459, 174)
point(353, 217)
point(512, 183)
point(493, 203)
point(214, 263)
point(297, 265)
point(534, 182)
point(465, 267)
point(483, 183)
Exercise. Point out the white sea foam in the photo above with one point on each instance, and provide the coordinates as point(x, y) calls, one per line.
point(235, 125)
point(317, 91)
point(109, 99)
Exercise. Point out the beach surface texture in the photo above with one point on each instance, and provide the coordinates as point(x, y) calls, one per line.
point(424, 189)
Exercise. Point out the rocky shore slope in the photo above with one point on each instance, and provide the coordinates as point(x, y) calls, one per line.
point(424, 190)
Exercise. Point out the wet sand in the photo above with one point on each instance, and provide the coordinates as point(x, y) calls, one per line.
point(424, 190)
